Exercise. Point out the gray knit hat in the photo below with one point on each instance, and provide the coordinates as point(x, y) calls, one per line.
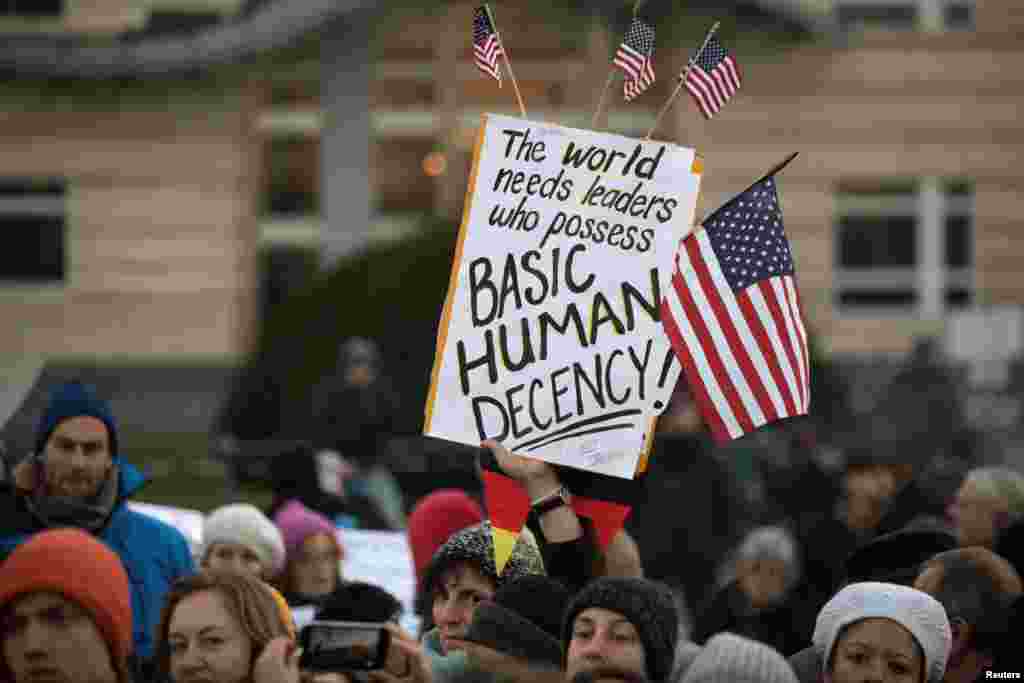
point(474, 545)
point(729, 658)
point(649, 605)
point(918, 612)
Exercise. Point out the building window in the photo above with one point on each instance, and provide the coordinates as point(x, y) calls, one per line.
point(42, 9)
point(293, 176)
point(855, 16)
point(905, 245)
point(32, 220)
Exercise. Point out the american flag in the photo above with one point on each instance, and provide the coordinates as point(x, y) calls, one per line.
point(713, 78)
point(486, 46)
point(733, 317)
point(634, 58)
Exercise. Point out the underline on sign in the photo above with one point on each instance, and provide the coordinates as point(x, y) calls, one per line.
point(576, 425)
point(595, 430)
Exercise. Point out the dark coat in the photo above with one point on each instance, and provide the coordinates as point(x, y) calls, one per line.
point(825, 544)
point(910, 503)
point(689, 515)
point(729, 609)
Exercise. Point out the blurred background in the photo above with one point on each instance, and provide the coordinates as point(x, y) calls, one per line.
point(203, 202)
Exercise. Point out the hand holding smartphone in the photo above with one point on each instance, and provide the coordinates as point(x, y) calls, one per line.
point(343, 646)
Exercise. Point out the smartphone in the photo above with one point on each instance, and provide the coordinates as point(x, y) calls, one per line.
point(343, 646)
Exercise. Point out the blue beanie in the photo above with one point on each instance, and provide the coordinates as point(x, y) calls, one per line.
point(74, 399)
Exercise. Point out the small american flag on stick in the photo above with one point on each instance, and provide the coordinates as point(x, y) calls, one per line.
point(733, 316)
point(634, 58)
point(712, 77)
point(486, 45)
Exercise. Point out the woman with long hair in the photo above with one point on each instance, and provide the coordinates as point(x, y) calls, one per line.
point(225, 627)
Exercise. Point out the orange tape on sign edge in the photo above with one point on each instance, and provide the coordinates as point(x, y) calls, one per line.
point(697, 167)
point(453, 279)
point(645, 454)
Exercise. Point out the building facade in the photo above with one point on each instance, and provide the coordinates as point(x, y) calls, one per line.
point(148, 204)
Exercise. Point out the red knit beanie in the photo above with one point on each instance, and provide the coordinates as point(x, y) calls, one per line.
point(84, 570)
point(434, 519)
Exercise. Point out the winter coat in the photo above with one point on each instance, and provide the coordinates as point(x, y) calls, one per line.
point(154, 554)
point(729, 610)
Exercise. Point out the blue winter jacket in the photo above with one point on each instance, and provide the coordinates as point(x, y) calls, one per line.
point(154, 554)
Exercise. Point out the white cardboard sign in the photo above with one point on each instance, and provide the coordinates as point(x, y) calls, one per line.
point(382, 558)
point(551, 340)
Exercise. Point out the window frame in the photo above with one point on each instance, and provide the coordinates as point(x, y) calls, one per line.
point(50, 205)
point(930, 280)
point(930, 16)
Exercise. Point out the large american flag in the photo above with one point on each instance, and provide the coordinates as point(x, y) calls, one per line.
point(713, 78)
point(733, 317)
point(486, 45)
point(634, 58)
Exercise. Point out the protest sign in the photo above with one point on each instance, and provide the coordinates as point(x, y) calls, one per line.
point(382, 558)
point(550, 340)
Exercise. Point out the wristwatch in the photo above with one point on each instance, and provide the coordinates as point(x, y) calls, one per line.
point(551, 501)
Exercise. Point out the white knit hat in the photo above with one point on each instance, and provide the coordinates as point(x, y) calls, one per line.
point(729, 658)
point(918, 612)
point(245, 525)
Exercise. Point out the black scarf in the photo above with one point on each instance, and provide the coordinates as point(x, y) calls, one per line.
point(89, 514)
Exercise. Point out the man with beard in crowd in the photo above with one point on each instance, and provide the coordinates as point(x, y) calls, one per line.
point(620, 629)
point(76, 478)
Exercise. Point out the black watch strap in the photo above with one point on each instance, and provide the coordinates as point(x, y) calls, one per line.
point(560, 498)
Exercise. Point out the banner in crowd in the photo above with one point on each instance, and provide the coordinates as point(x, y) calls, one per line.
point(188, 522)
point(550, 339)
point(383, 558)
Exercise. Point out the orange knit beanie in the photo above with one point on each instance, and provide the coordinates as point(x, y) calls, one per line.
point(84, 570)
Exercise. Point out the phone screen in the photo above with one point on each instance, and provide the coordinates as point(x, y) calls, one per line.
point(343, 646)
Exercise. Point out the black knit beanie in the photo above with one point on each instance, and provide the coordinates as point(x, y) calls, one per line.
point(649, 605)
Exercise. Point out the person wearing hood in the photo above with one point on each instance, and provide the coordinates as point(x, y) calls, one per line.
point(461, 576)
point(77, 478)
point(355, 408)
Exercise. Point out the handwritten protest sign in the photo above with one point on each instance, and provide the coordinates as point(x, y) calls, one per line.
point(383, 558)
point(550, 339)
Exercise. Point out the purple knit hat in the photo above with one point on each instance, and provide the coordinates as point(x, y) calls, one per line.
point(297, 523)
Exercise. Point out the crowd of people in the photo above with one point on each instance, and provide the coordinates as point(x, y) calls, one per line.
point(882, 585)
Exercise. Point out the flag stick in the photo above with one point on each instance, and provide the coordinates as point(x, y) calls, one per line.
point(611, 75)
point(600, 102)
point(682, 80)
point(508, 64)
point(775, 170)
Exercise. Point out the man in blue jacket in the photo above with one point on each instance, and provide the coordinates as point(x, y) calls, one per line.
point(76, 479)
